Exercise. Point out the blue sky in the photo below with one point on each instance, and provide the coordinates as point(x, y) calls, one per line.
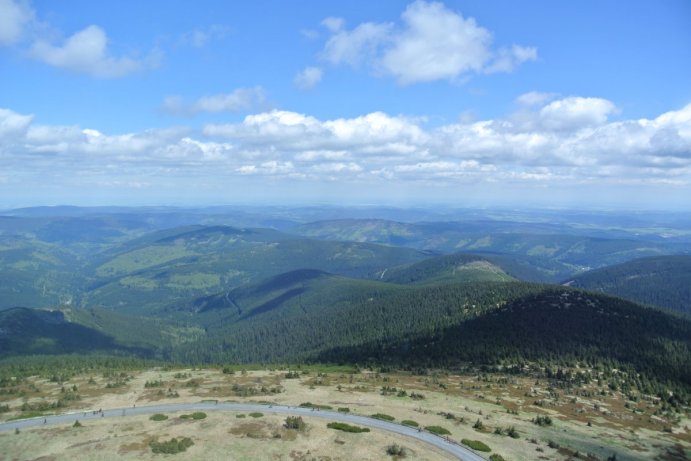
point(537, 103)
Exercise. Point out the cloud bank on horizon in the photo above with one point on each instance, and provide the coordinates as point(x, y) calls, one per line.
point(239, 144)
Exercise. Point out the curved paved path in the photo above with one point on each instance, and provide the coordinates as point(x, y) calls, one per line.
point(450, 447)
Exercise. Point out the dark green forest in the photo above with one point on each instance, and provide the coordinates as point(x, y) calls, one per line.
point(663, 281)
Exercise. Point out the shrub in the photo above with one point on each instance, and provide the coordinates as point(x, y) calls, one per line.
point(476, 445)
point(410, 422)
point(543, 421)
point(553, 444)
point(158, 417)
point(438, 430)
point(513, 433)
point(240, 415)
point(4, 408)
point(383, 417)
point(295, 422)
point(195, 415)
point(478, 425)
point(395, 450)
point(77, 423)
point(256, 414)
point(347, 427)
point(172, 446)
point(317, 406)
point(496, 457)
point(344, 410)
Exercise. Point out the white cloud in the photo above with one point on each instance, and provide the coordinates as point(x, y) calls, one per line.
point(375, 134)
point(436, 44)
point(361, 45)
point(433, 43)
point(574, 113)
point(239, 100)
point(308, 78)
point(13, 125)
point(564, 141)
point(86, 52)
point(507, 59)
point(15, 15)
point(534, 98)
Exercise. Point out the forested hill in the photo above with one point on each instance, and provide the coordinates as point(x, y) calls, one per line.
point(549, 325)
point(448, 268)
point(663, 281)
point(337, 319)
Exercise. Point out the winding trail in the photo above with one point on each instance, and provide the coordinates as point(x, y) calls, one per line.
point(460, 452)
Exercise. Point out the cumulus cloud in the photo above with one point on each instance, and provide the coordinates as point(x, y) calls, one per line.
point(12, 124)
point(15, 15)
point(507, 59)
point(436, 44)
point(375, 134)
point(239, 100)
point(308, 78)
point(355, 47)
point(570, 140)
point(574, 113)
point(86, 52)
point(432, 43)
point(534, 98)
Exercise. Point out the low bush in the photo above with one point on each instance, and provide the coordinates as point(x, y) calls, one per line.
point(256, 414)
point(410, 422)
point(437, 430)
point(395, 450)
point(158, 417)
point(476, 445)
point(172, 446)
point(542, 421)
point(347, 427)
point(383, 417)
point(295, 422)
point(315, 405)
point(195, 415)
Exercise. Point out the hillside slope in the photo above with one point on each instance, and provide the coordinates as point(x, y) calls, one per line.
point(32, 331)
point(341, 320)
point(152, 273)
point(448, 268)
point(663, 281)
point(551, 325)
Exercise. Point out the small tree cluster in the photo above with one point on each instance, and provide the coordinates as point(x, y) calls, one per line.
point(395, 450)
point(172, 446)
point(295, 422)
point(542, 421)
